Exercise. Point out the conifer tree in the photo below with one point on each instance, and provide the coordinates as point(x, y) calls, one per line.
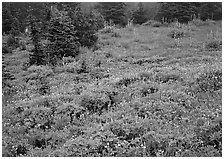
point(62, 38)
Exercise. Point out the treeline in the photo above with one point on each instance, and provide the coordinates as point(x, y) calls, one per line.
point(187, 11)
point(14, 15)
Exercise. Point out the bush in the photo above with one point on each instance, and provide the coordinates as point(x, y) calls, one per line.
point(157, 24)
point(12, 41)
point(37, 79)
point(125, 44)
point(215, 45)
point(164, 78)
point(22, 44)
point(116, 35)
point(210, 81)
point(176, 34)
point(147, 89)
point(6, 49)
point(107, 30)
point(67, 60)
point(95, 103)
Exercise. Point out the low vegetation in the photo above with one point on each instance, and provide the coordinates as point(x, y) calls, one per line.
point(135, 91)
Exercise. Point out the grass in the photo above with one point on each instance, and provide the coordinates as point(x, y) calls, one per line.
point(142, 93)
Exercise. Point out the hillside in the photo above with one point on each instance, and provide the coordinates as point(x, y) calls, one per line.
point(146, 90)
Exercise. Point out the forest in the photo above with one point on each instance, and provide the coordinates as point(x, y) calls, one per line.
point(111, 79)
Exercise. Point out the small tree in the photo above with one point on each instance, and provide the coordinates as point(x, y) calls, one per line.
point(139, 15)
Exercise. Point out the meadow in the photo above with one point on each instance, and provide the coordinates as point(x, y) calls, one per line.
point(144, 90)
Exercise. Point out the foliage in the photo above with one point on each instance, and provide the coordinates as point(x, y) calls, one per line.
point(7, 77)
point(139, 15)
point(210, 81)
point(86, 25)
point(143, 101)
point(6, 49)
point(112, 11)
point(176, 34)
point(12, 41)
point(62, 38)
point(38, 56)
point(213, 45)
point(153, 23)
point(211, 11)
point(184, 12)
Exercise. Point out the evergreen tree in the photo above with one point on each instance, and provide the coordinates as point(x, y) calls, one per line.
point(62, 38)
point(139, 15)
point(114, 11)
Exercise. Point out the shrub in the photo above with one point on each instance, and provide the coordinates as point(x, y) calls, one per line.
point(70, 68)
point(157, 24)
point(145, 76)
point(215, 45)
point(37, 79)
point(147, 89)
point(116, 35)
point(95, 103)
point(107, 30)
point(12, 41)
point(22, 45)
point(126, 81)
point(67, 60)
point(176, 34)
point(125, 44)
point(210, 81)
point(6, 49)
point(164, 78)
